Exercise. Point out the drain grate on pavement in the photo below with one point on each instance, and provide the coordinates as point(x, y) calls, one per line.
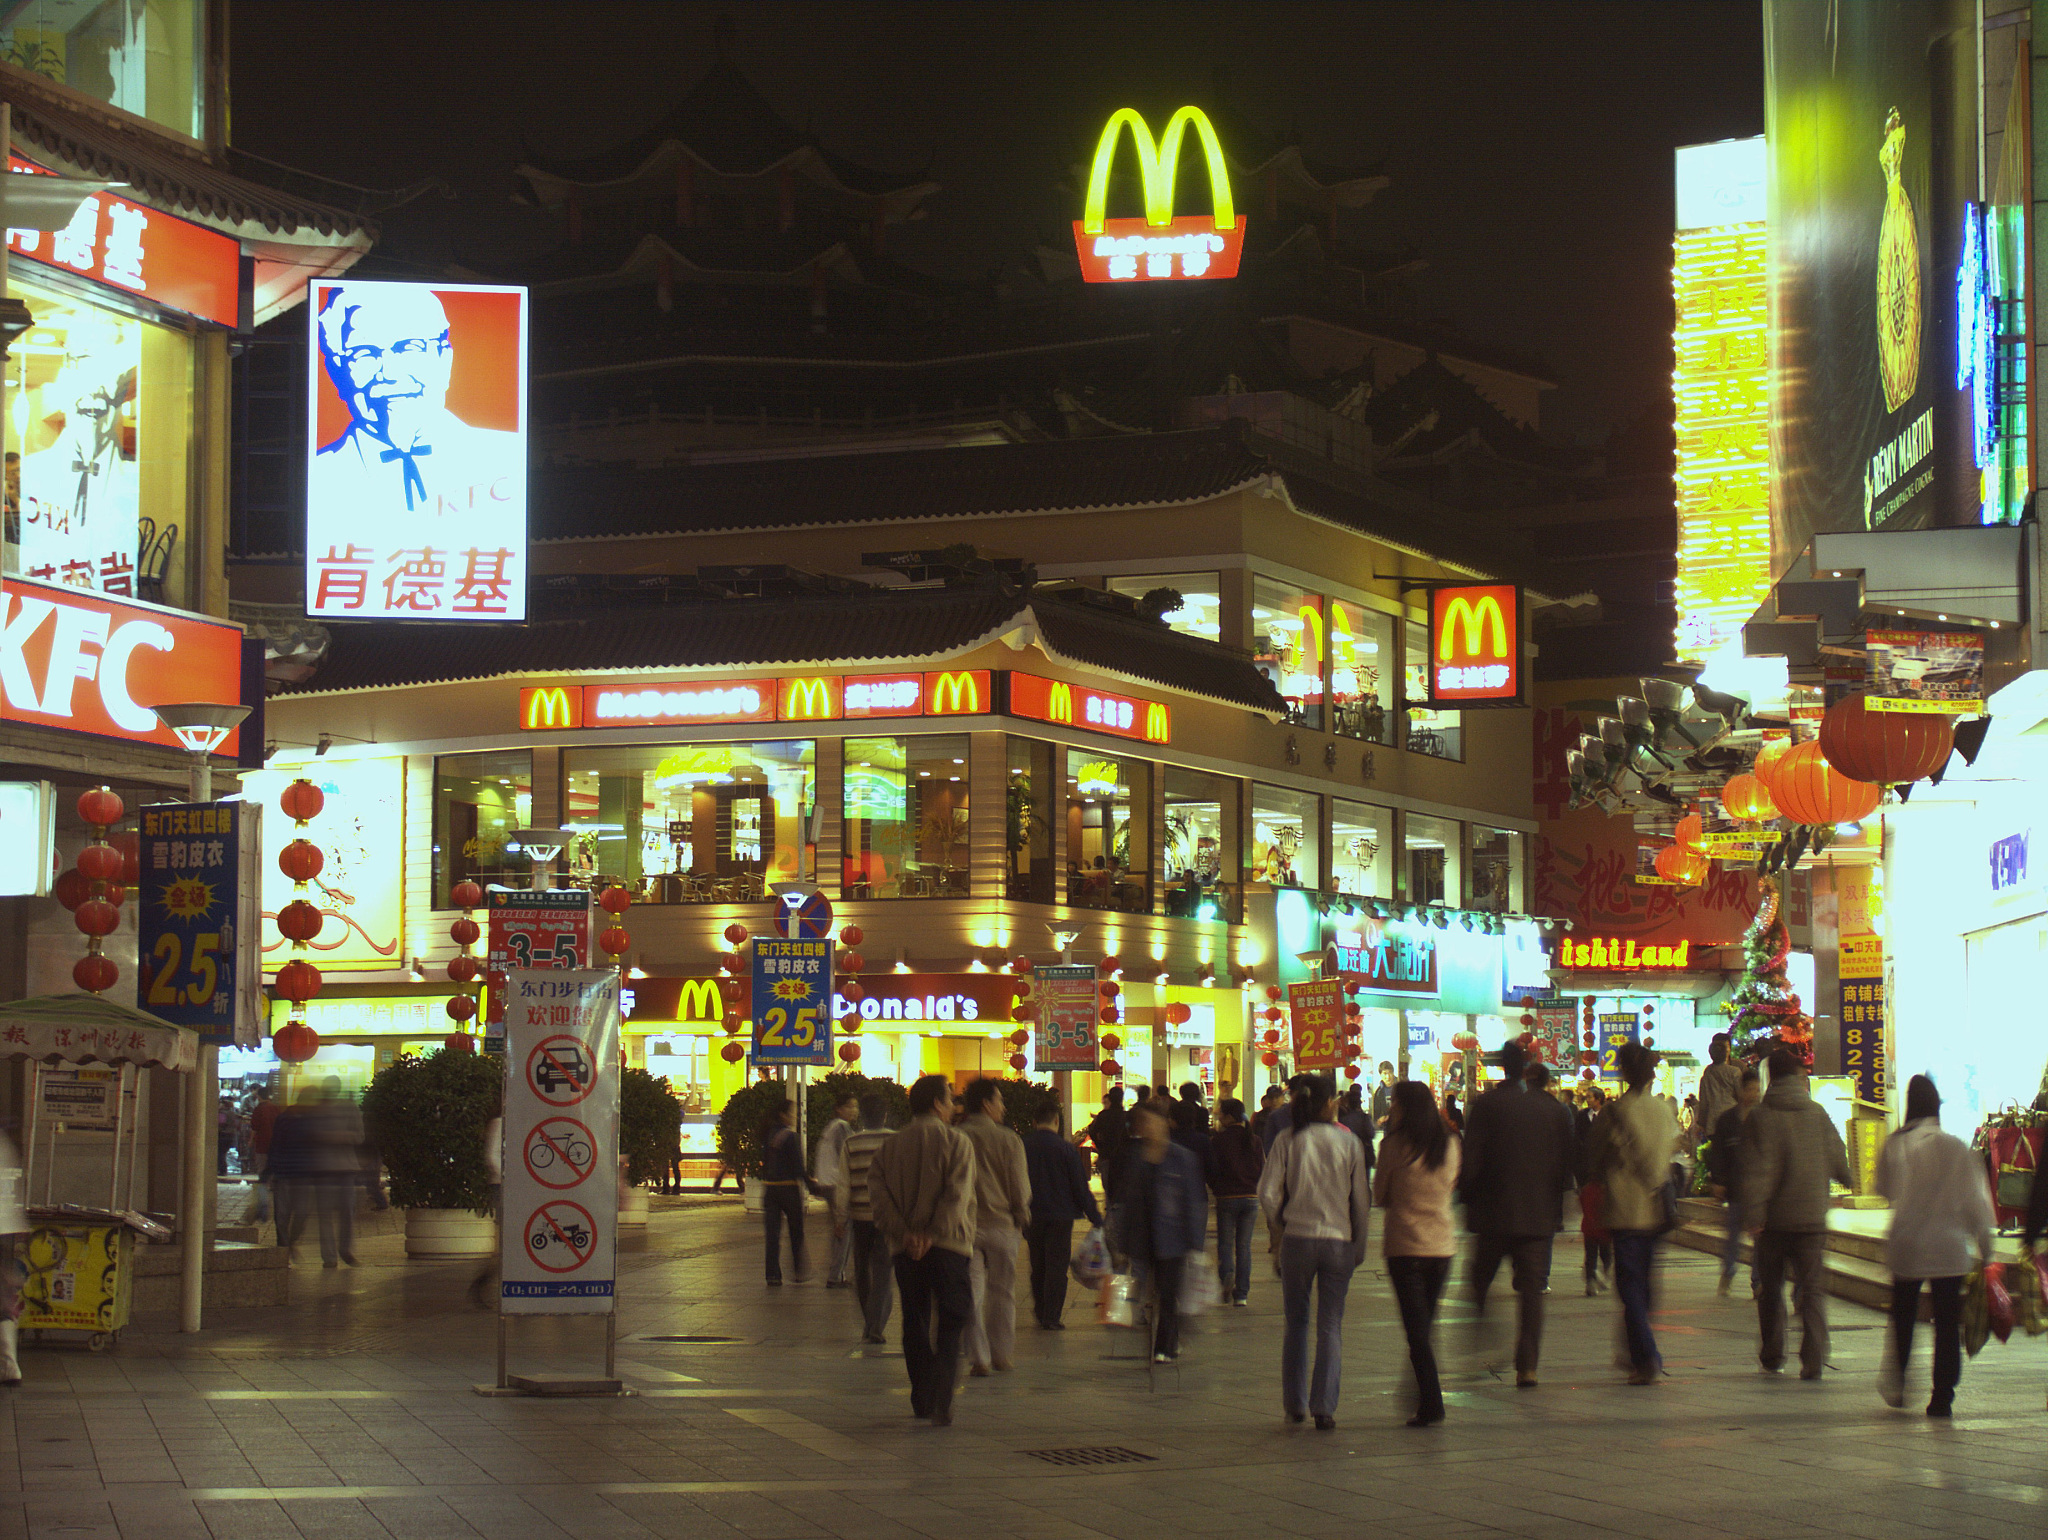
point(701, 1341)
point(1105, 1454)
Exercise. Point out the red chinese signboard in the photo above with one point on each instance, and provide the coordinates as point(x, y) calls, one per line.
point(1096, 711)
point(1316, 1010)
point(1475, 645)
point(1068, 1003)
point(533, 930)
point(172, 261)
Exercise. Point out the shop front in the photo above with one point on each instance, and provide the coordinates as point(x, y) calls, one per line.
point(1663, 995)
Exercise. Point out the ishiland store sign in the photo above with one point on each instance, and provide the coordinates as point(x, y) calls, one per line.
point(1161, 245)
point(1615, 955)
point(1475, 646)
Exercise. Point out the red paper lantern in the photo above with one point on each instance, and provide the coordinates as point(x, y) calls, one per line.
point(1111, 1068)
point(615, 939)
point(1018, 964)
point(101, 807)
point(130, 846)
point(1586, 1074)
point(300, 801)
point(1020, 987)
point(1273, 992)
point(295, 1042)
point(1809, 790)
point(465, 970)
point(853, 994)
point(735, 933)
point(301, 860)
point(460, 1007)
point(466, 895)
point(851, 935)
point(1109, 1015)
point(96, 917)
point(1177, 1013)
point(1018, 1061)
point(730, 962)
point(1528, 1020)
point(732, 1053)
point(1020, 1037)
point(1111, 963)
point(1269, 1058)
point(1111, 989)
point(1272, 1013)
point(100, 863)
point(615, 900)
point(462, 932)
point(849, 1053)
point(1111, 1042)
point(95, 973)
point(1649, 1042)
point(1884, 748)
point(1682, 864)
point(1022, 1013)
point(459, 1042)
point(1688, 832)
point(1351, 1072)
point(1746, 798)
point(71, 888)
point(1270, 1037)
point(298, 981)
point(115, 894)
point(852, 962)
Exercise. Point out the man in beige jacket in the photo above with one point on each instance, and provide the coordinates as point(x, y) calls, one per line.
point(1002, 1211)
point(921, 1189)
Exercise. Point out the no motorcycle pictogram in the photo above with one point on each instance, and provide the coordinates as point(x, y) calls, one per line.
point(560, 1236)
point(561, 1070)
point(560, 1152)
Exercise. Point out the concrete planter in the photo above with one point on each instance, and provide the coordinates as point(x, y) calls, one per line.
point(752, 1198)
point(444, 1234)
point(633, 1208)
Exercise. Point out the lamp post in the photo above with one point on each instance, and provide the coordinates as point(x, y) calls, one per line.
point(200, 727)
point(543, 845)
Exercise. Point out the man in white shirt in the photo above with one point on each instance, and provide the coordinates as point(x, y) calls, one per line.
point(828, 1170)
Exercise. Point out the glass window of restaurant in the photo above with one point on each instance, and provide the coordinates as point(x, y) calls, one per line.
point(1109, 832)
point(1361, 849)
point(1028, 874)
point(1493, 870)
point(1436, 733)
point(1200, 612)
point(98, 435)
point(906, 817)
point(1201, 844)
point(1430, 846)
point(1287, 642)
point(142, 56)
point(1361, 671)
point(693, 822)
point(1287, 837)
point(479, 799)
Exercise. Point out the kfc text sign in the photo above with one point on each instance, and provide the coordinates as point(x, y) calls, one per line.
point(416, 430)
point(81, 661)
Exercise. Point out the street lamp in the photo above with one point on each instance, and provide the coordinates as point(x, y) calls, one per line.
point(543, 845)
point(201, 727)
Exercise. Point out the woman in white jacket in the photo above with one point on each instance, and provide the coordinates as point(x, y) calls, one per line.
point(1941, 1209)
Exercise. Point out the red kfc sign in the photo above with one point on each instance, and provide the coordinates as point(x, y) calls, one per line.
point(78, 660)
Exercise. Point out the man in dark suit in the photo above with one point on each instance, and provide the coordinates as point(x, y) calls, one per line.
point(1517, 1169)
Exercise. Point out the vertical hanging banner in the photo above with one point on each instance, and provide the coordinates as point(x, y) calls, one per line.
point(1067, 1007)
point(1316, 1011)
point(532, 930)
point(196, 940)
point(792, 1001)
point(559, 1207)
point(1861, 971)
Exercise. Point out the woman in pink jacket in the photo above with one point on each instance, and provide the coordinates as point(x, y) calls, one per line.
point(1418, 1172)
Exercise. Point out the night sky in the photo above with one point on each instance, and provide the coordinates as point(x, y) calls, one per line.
point(1529, 142)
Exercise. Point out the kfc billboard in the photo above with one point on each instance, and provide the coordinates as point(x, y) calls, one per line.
point(416, 487)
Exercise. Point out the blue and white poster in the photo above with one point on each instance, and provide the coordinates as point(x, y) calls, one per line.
point(792, 1001)
point(192, 928)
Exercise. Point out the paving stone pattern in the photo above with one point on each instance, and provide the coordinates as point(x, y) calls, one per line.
point(351, 1416)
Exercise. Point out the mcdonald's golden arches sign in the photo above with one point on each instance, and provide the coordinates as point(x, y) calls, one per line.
point(1162, 244)
point(1475, 645)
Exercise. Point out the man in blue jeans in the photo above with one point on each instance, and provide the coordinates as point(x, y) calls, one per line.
point(1058, 1173)
point(1236, 1160)
point(1724, 1166)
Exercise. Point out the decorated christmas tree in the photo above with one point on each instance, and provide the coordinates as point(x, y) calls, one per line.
point(1764, 1009)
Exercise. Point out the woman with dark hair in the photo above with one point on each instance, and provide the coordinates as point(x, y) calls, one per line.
point(1941, 1212)
point(1453, 1114)
point(1638, 1138)
point(1418, 1172)
point(1315, 1190)
point(782, 1191)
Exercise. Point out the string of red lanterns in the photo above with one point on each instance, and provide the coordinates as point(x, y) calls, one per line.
point(849, 990)
point(97, 910)
point(299, 922)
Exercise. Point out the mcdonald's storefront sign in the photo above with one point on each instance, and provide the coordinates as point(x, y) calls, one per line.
point(550, 706)
point(1475, 645)
point(1073, 705)
point(1161, 244)
point(660, 1000)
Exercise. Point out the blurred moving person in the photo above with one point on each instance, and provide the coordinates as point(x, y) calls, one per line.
point(1161, 1219)
point(1418, 1171)
point(1724, 1169)
point(828, 1170)
point(1634, 1143)
point(1598, 1244)
point(1002, 1215)
point(921, 1185)
point(874, 1277)
point(782, 1191)
point(1236, 1161)
point(1791, 1152)
point(1056, 1173)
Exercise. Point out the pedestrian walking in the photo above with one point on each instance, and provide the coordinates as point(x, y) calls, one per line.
point(1724, 1169)
point(1236, 1160)
point(1190, 1121)
point(290, 1170)
point(782, 1191)
point(335, 1136)
point(921, 1185)
point(13, 1269)
point(484, 1288)
point(1056, 1173)
point(1352, 1114)
point(1002, 1214)
point(672, 1161)
point(1791, 1152)
point(1635, 1141)
point(828, 1171)
point(1418, 1171)
point(1109, 1132)
point(1516, 1170)
point(1280, 1115)
point(1383, 1095)
point(1453, 1115)
point(1316, 1190)
point(1593, 1236)
point(1161, 1219)
point(1941, 1214)
point(1269, 1100)
point(874, 1277)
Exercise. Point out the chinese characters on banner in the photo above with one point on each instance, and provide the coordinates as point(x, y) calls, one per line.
point(559, 1208)
point(1862, 984)
point(1067, 1007)
point(1938, 673)
point(198, 964)
point(531, 930)
point(416, 486)
point(1617, 1030)
point(1556, 1028)
point(792, 1001)
point(1316, 1010)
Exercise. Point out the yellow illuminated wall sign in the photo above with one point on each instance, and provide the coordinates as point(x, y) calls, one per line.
point(1161, 245)
point(550, 706)
point(814, 699)
point(1722, 390)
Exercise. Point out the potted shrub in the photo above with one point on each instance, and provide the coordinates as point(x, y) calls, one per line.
point(739, 1131)
point(649, 1115)
point(428, 1117)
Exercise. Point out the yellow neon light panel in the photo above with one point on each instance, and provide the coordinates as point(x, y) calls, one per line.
point(1158, 164)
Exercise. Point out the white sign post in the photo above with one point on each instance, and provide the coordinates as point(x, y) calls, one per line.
point(559, 1205)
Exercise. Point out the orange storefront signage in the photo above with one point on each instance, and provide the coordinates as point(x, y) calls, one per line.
point(1475, 645)
point(1098, 711)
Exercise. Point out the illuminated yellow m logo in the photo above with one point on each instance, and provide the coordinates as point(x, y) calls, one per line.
point(1481, 620)
point(1059, 703)
point(956, 695)
point(549, 708)
point(805, 699)
point(700, 1001)
point(1156, 730)
point(1158, 162)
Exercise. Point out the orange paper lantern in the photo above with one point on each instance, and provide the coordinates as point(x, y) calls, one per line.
point(1746, 798)
point(1768, 758)
point(295, 1042)
point(1885, 748)
point(1688, 832)
point(1809, 790)
point(1682, 864)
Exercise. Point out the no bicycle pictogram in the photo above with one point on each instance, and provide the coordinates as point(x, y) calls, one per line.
point(560, 1236)
point(560, 1070)
point(560, 1152)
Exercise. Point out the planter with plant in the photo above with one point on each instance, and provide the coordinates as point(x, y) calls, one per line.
point(649, 1115)
point(427, 1116)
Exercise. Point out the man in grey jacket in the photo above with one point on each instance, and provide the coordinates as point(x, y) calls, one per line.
point(1791, 1152)
point(921, 1187)
point(1002, 1214)
point(1517, 1168)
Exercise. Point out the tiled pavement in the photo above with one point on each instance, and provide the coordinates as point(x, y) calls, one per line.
point(351, 1416)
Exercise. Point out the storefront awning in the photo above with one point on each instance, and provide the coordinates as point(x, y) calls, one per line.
point(90, 1029)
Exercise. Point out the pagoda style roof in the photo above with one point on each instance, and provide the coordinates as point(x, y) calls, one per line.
point(779, 258)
